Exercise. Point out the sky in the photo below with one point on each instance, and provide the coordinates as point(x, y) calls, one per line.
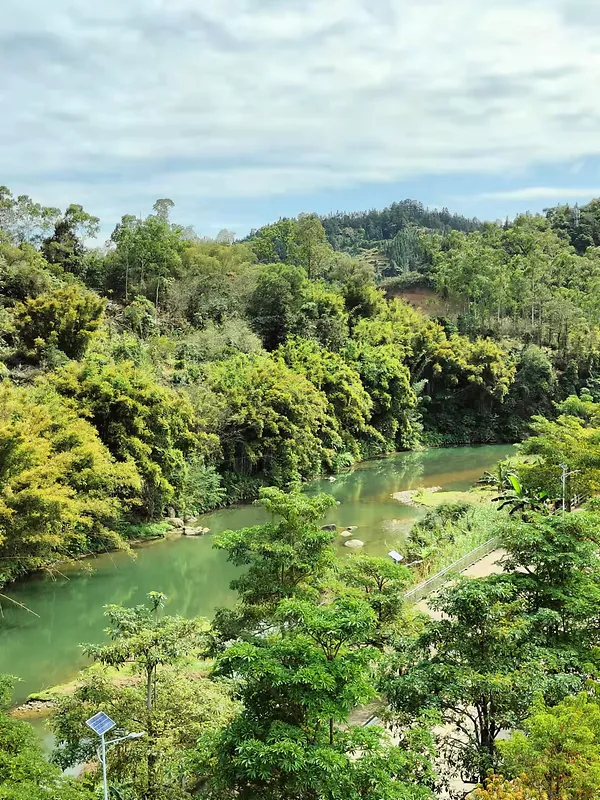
point(243, 111)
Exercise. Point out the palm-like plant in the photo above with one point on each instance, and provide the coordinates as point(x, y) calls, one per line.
point(516, 497)
point(496, 480)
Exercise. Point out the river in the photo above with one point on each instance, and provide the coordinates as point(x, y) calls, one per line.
point(43, 651)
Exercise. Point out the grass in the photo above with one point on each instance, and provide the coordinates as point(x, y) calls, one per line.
point(429, 499)
point(481, 525)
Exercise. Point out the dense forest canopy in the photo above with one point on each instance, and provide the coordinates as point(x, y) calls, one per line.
point(186, 373)
point(164, 373)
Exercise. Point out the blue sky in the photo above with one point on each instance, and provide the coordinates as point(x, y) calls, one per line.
point(242, 111)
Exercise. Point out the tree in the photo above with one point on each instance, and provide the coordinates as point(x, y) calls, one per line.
point(286, 557)
point(323, 317)
point(272, 242)
point(310, 248)
point(284, 744)
point(274, 425)
point(387, 381)
point(66, 246)
point(382, 584)
point(24, 221)
point(479, 667)
point(140, 421)
point(558, 751)
point(274, 307)
point(572, 441)
point(215, 282)
point(148, 254)
point(23, 274)
point(349, 404)
point(62, 493)
point(25, 774)
point(499, 788)
point(554, 566)
point(157, 694)
point(66, 319)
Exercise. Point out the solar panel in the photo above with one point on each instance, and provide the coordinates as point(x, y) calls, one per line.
point(100, 723)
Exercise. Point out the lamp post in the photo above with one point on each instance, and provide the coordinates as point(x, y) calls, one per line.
point(101, 724)
point(566, 474)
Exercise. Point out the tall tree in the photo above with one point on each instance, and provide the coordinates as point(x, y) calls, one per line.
point(66, 246)
point(286, 557)
point(285, 745)
point(479, 667)
point(156, 696)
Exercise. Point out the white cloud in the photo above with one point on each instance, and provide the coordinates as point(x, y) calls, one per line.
point(116, 102)
point(555, 193)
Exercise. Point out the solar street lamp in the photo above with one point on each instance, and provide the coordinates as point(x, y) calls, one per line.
point(101, 724)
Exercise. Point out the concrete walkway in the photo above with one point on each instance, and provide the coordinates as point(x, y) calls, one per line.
point(488, 565)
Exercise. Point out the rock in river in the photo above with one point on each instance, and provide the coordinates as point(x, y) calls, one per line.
point(354, 543)
point(195, 531)
point(329, 528)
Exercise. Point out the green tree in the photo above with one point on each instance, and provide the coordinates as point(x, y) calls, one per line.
point(66, 319)
point(273, 426)
point(387, 382)
point(310, 248)
point(284, 745)
point(286, 557)
point(159, 693)
point(571, 440)
point(148, 255)
point(140, 421)
point(215, 283)
point(479, 667)
point(66, 246)
point(349, 404)
point(382, 584)
point(558, 751)
point(62, 494)
point(274, 307)
point(24, 274)
point(24, 221)
point(25, 774)
point(553, 564)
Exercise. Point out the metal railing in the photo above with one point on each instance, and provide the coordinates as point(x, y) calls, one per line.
point(431, 584)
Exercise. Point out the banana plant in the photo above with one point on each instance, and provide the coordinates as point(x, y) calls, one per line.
point(497, 480)
point(516, 497)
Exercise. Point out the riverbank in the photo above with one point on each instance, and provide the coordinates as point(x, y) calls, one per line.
point(44, 651)
point(474, 532)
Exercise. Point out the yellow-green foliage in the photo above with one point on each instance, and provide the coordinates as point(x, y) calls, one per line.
point(65, 319)
point(61, 491)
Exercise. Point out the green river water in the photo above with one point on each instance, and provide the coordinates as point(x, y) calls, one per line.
point(43, 651)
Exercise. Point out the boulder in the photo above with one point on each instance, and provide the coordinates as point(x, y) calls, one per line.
point(354, 543)
point(329, 527)
point(176, 522)
point(405, 497)
point(351, 527)
point(195, 531)
point(331, 479)
point(345, 534)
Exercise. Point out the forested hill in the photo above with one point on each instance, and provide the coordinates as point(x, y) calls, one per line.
point(350, 232)
point(361, 230)
point(168, 371)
